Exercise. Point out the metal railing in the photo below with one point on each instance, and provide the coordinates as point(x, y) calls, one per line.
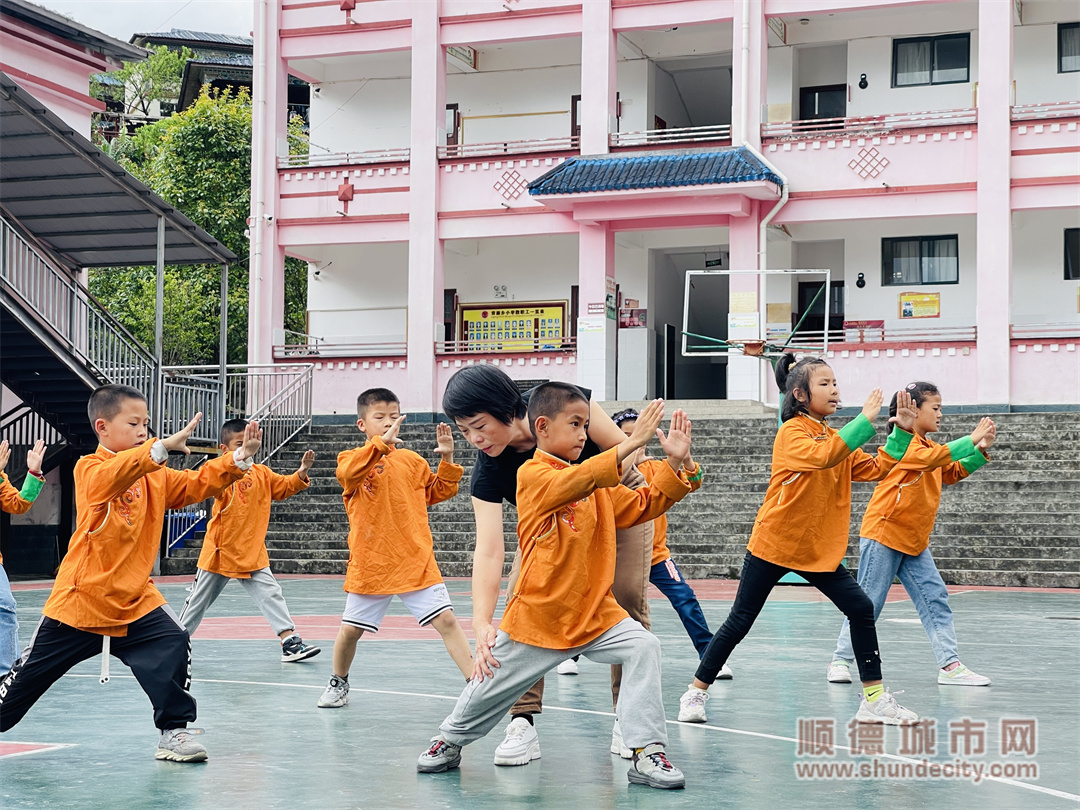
point(72, 316)
point(1053, 109)
point(182, 524)
point(324, 348)
point(561, 144)
point(22, 426)
point(655, 137)
point(358, 158)
point(565, 345)
point(1051, 331)
point(878, 335)
point(867, 125)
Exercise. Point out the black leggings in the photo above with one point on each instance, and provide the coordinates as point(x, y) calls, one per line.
point(758, 579)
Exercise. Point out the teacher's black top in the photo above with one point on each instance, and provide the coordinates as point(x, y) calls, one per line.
point(494, 478)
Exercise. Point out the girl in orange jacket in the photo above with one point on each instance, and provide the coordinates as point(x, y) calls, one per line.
point(895, 534)
point(803, 526)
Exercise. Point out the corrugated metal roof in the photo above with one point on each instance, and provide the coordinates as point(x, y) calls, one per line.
point(73, 31)
point(185, 35)
point(667, 169)
point(80, 203)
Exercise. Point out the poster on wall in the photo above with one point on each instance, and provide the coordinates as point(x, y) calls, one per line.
point(919, 305)
point(609, 298)
point(520, 326)
point(633, 318)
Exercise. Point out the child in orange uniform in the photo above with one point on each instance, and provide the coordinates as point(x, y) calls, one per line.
point(804, 523)
point(15, 502)
point(387, 490)
point(895, 535)
point(235, 546)
point(562, 604)
point(103, 598)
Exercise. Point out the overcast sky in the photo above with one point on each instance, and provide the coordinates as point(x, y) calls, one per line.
point(122, 18)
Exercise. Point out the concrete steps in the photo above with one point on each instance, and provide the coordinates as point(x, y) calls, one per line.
point(1015, 522)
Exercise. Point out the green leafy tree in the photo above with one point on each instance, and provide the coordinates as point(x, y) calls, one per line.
point(155, 79)
point(200, 161)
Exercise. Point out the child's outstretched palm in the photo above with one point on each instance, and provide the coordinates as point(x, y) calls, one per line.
point(391, 435)
point(906, 412)
point(981, 430)
point(5, 454)
point(989, 438)
point(872, 407)
point(444, 440)
point(305, 463)
point(35, 457)
point(177, 443)
point(252, 440)
point(676, 444)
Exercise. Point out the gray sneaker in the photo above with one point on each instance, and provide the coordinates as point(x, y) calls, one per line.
point(651, 767)
point(336, 694)
point(178, 745)
point(441, 756)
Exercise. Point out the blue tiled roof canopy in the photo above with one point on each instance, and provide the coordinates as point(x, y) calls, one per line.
point(653, 170)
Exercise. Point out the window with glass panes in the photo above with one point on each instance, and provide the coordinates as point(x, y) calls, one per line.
point(920, 260)
point(1068, 47)
point(931, 60)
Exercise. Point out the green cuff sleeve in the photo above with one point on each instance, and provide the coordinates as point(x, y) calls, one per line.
point(973, 462)
point(31, 488)
point(898, 443)
point(857, 432)
point(961, 448)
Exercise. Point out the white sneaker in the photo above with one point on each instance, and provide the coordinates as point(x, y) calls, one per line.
point(568, 667)
point(961, 676)
point(617, 746)
point(520, 746)
point(839, 672)
point(725, 673)
point(336, 694)
point(885, 710)
point(692, 705)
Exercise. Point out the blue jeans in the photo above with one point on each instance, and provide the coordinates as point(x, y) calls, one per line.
point(668, 579)
point(9, 625)
point(878, 565)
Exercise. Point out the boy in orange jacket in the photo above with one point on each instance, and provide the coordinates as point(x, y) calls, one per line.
point(387, 490)
point(235, 546)
point(563, 605)
point(103, 598)
point(15, 502)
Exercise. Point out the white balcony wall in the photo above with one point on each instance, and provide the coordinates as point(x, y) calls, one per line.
point(1035, 66)
point(633, 86)
point(359, 115)
point(514, 105)
point(1040, 293)
point(533, 268)
point(666, 103)
point(781, 96)
point(360, 292)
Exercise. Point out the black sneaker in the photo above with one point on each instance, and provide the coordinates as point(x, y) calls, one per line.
point(294, 649)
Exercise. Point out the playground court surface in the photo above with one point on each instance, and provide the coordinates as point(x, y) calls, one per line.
point(89, 745)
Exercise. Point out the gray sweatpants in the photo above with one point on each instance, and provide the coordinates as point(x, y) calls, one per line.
point(641, 705)
point(262, 586)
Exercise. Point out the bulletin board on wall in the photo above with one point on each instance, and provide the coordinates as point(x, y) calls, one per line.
point(517, 326)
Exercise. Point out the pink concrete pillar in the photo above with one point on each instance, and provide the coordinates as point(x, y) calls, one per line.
point(744, 373)
point(427, 131)
point(746, 110)
point(598, 74)
point(993, 231)
point(266, 268)
point(596, 333)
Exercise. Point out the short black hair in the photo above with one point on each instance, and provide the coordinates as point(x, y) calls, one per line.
point(373, 395)
point(106, 401)
point(231, 428)
point(483, 389)
point(919, 391)
point(551, 399)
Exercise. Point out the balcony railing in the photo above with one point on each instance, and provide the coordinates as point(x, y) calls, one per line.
point(1055, 109)
point(866, 125)
point(1051, 331)
point(318, 348)
point(565, 345)
point(493, 148)
point(662, 137)
point(344, 158)
point(877, 335)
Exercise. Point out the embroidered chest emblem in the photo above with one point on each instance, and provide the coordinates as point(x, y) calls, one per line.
point(369, 482)
point(128, 499)
point(566, 515)
point(242, 486)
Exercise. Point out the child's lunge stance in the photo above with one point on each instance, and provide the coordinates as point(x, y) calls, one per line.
point(803, 526)
point(235, 546)
point(15, 502)
point(387, 490)
point(103, 599)
point(567, 516)
point(895, 535)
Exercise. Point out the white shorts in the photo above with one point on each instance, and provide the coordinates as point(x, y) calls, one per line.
point(367, 611)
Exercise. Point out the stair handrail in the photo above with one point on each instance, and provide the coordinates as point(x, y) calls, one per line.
point(279, 427)
point(22, 426)
point(72, 314)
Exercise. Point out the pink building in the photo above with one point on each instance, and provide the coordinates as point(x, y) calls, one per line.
point(508, 181)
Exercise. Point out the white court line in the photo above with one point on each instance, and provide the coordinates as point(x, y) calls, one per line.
point(760, 734)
